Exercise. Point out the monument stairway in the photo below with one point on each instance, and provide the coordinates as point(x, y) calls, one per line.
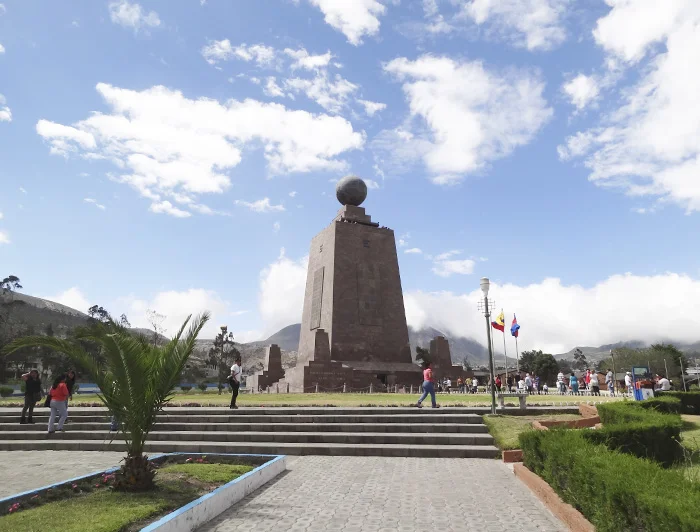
point(446, 432)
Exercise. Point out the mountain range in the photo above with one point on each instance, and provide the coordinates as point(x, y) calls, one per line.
point(36, 314)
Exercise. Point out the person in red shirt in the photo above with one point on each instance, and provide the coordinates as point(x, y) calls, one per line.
point(59, 397)
point(428, 386)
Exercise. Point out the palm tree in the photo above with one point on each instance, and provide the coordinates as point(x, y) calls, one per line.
point(136, 380)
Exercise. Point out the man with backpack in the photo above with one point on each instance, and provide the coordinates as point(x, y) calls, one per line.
point(235, 381)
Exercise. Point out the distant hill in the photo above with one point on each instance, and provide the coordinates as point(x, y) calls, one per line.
point(36, 314)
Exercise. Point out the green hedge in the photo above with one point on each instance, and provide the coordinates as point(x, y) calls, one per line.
point(640, 428)
point(615, 491)
point(690, 401)
point(665, 405)
point(6, 391)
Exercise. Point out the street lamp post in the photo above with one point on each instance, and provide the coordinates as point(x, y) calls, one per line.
point(485, 289)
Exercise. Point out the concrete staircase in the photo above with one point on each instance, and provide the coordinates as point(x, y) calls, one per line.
point(445, 432)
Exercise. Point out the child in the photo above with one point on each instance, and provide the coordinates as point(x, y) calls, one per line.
point(545, 389)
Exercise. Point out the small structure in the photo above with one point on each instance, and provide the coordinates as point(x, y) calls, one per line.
point(272, 370)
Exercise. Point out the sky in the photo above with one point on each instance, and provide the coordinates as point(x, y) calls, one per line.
point(180, 156)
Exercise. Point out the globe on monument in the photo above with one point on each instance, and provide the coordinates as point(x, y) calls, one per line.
point(351, 190)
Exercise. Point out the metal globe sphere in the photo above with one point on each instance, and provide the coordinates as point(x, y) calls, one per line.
point(351, 190)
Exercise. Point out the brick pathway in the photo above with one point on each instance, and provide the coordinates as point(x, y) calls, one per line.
point(26, 470)
point(358, 494)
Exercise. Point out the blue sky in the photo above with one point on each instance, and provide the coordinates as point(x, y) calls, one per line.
point(180, 155)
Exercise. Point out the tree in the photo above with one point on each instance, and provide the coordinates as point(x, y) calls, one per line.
point(8, 286)
point(658, 357)
point(565, 365)
point(546, 367)
point(527, 360)
point(466, 366)
point(136, 380)
point(222, 355)
point(423, 355)
point(156, 320)
point(580, 361)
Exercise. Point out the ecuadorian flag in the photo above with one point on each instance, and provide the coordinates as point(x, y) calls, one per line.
point(500, 322)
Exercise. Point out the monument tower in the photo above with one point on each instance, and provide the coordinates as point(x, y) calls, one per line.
point(353, 327)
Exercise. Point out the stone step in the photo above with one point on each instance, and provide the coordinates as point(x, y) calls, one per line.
point(461, 428)
point(271, 437)
point(249, 418)
point(333, 449)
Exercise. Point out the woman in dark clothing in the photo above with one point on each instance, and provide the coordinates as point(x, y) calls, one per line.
point(70, 382)
point(32, 394)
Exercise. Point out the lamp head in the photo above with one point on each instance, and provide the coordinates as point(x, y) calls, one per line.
point(223, 328)
point(485, 286)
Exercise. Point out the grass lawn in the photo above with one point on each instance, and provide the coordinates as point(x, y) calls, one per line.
point(339, 399)
point(506, 429)
point(110, 511)
point(691, 432)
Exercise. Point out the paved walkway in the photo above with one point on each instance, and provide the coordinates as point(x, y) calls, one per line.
point(358, 494)
point(27, 470)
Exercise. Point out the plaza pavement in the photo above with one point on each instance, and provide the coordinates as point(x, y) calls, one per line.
point(339, 493)
point(363, 494)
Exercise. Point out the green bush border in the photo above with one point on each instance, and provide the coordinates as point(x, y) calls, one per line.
point(615, 491)
point(690, 401)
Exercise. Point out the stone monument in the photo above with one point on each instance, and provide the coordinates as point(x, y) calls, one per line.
point(353, 327)
point(272, 370)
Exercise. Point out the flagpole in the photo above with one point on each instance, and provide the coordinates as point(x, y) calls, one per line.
point(505, 355)
point(517, 355)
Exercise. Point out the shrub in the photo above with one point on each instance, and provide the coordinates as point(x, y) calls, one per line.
point(6, 391)
point(185, 388)
point(639, 428)
point(202, 386)
point(665, 405)
point(690, 401)
point(613, 490)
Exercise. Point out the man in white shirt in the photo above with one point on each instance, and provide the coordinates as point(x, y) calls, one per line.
point(528, 383)
point(561, 385)
point(448, 384)
point(235, 381)
point(628, 383)
point(664, 384)
point(475, 385)
point(610, 382)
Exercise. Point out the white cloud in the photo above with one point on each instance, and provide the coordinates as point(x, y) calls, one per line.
point(330, 92)
point(372, 107)
point(466, 129)
point(447, 254)
point(2, 49)
point(276, 227)
point(532, 24)
point(4, 237)
point(166, 144)
point(1, 215)
point(272, 89)
point(581, 90)
point(555, 317)
point(22, 190)
point(281, 295)
point(94, 202)
point(293, 194)
point(302, 59)
point(416, 251)
point(650, 145)
point(3, 9)
point(354, 18)
point(176, 306)
point(73, 298)
point(371, 184)
point(5, 112)
point(165, 207)
point(261, 205)
point(222, 50)
point(445, 268)
point(133, 16)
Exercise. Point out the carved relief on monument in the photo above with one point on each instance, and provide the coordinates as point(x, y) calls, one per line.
point(368, 293)
point(317, 299)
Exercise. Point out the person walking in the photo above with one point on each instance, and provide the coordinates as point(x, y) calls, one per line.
point(59, 396)
point(610, 382)
point(32, 395)
point(475, 385)
point(70, 384)
point(235, 381)
point(537, 384)
point(573, 384)
point(628, 384)
point(593, 383)
point(561, 385)
point(528, 383)
point(428, 386)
